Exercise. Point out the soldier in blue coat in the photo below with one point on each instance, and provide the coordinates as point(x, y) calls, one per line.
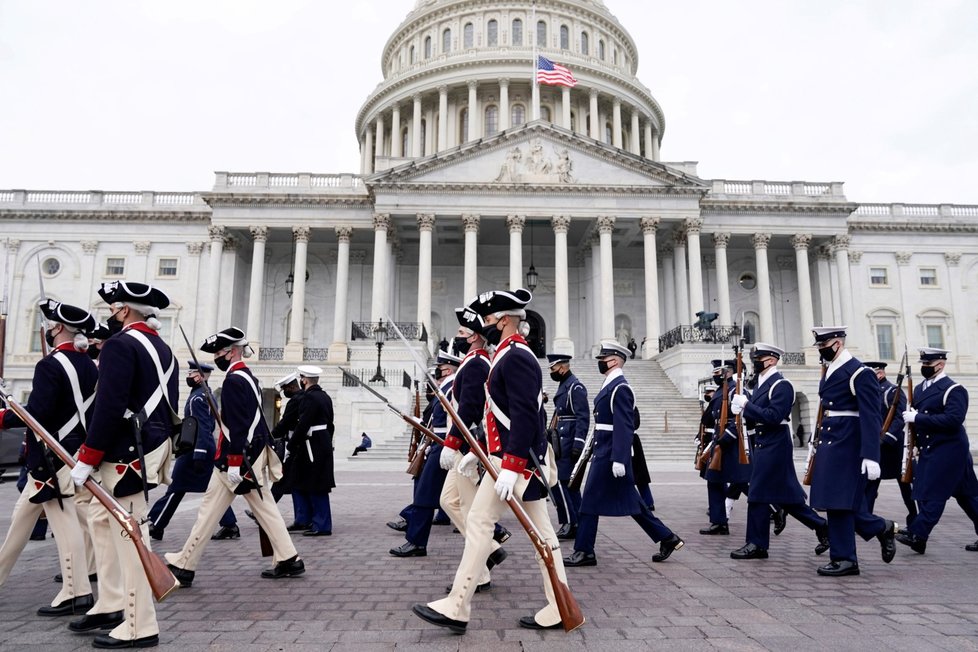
point(847, 455)
point(311, 448)
point(610, 486)
point(773, 479)
point(573, 418)
point(944, 468)
point(891, 443)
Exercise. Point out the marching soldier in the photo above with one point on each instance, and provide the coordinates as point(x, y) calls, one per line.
point(61, 400)
point(610, 486)
point(514, 433)
point(847, 456)
point(241, 465)
point(290, 389)
point(311, 449)
point(573, 417)
point(944, 468)
point(423, 448)
point(891, 444)
point(773, 479)
point(129, 441)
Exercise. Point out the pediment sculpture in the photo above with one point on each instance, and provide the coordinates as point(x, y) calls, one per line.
point(536, 166)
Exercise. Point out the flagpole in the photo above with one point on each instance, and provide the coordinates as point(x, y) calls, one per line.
point(536, 63)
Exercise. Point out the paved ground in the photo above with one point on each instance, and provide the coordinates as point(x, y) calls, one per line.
point(356, 597)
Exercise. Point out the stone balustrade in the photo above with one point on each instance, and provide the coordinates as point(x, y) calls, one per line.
point(915, 210)
point(297, 182)
point(777, 189)
point(98, 198)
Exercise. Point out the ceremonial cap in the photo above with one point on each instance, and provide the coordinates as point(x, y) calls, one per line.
point(761, 349)
point(611, 347)
point(557, 358)
point(202, 367)
point(719, 365)
point(501, 301)
point(469, 318)
point(63, 313)
point(876, 364)
point(823, 333)
point(286, 380)
point(132, 292)
point(928, 353)
point(444, 357)
point(309, 371)
point(99, 332)
point(222, 340)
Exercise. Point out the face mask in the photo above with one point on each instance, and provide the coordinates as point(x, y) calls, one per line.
point(222, 363)
point(492, 334)
point(49, 338)
point(462, 345)
point(758, 366)
point(928, 372)
point(192, 384)
point(93, 351)
point(602, 367)
point(556, 376)
point(827, 353)
point(718, 381)
point(113, 323)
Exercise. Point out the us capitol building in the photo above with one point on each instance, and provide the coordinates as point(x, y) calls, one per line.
point(471, 179)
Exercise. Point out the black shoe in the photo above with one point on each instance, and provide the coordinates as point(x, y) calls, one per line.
point(780, 518)
point(156, 533)
point(716, 528)
point(250, 514)
point(888, 542)
point(399, 525)
point(749, 551)
point(317, 533)
point(531, 623)
point(38, 537)
point(227, 532)
point(288, 568)
point(667, 547)
point(409, 550)
point(822, 533)
point(429, 615)
point(501, 535)
point(567, 532)
point(916, 544)
point(70, 607)
point(106, 642)
point(299, 527)
point(578, 558)
point(480, 588)
point(91, 578)
point(972, 547)
point(97, 621)
point(496, 558)
point(184, 576)
point(839, 568)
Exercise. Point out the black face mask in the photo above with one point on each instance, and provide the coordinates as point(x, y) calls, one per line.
point(462, 345)
point(758, 367)
point(827, 352)
point(430, 396)
point(718, 381)
point(49, 338)
point(113, 324)
point(492, 334)
point(192, 384)
point(556, 376)
point(928, 372)
point(222, 363)
point(602, 367)
point(290, 391)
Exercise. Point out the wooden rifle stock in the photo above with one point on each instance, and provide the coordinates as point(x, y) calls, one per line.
point(891, 412)
point(907, 472)
point(716, 458)
point(816, 436)
point(415, 435)
point(161, 580)
point(744, 450)
point(700, 445)
point(577, 473)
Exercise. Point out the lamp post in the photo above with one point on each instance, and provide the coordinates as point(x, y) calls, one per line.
point(531, 274)
point(380, 335)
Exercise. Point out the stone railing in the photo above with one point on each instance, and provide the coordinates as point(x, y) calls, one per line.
point(272, 354)
point(98, 198)
point(299, 182)
point(793, 358)
point(777, 189)
point(691, 334)
point(364, 330)
point(315, 353)
point(915, 210)
point(392, 377)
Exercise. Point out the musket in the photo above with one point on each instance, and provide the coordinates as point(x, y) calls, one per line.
point(161, 580)
point(415, 435)
point(570, 611)
point(906, 472)
point(577, 474)
point(744, 452)
point(414, 422)
point(40, 282)
point(891, 412)
point(816, 436)
point(263, 541)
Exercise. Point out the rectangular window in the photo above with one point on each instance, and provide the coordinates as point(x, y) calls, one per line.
point(935, 336)
point(115, 266)
point(167, 268)
point(878, 276)
point(166, 328)
point(928, 277)
point(884, 341)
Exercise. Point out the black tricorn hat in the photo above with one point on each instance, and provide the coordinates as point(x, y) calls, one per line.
point(224, 339)
point(133, 292)
point(63, 313)
point(501, 300)
point(469, 318)
point(99, 332)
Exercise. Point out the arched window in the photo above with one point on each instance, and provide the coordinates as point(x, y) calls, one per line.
point(564, 38)
point(412, 54)
point(601, 50)
point(541, 34)
point(492, 33)
point(463, 125)
point(468, 36)
point(518, 114)
point(517, 32)
point(427, 47)
point(584, 44)
point(545, 113)
point(424, 135)
point(492, 120)
point(446, 41)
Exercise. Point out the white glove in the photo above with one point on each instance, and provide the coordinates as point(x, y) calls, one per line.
point(80, 473)
point(618, 469)
point(735, 408)
point(447, 459)
point(468, 466)
point(871, 469)
point(737, 403)
point(234, 474)
point(505, 483)
point(909, 415)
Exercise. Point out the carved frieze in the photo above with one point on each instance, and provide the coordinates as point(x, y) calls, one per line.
point(536, 165)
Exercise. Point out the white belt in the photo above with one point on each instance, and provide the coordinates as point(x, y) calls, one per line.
point(604, 426)
point(709, 430)
point(786, 422)
point(318, 428)
point(841, 413)
point(439, 431)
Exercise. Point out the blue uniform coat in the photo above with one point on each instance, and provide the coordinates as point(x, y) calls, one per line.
point(469, 392)
point(773, 478)
point(313, 463)
point(945, 467)
point(573, 421)
point(241, 414)
point(891, 444)
point(427, 490)
point(184, 477)
point(732, 470)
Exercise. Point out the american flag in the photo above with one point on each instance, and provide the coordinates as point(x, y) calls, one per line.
point(554, 74)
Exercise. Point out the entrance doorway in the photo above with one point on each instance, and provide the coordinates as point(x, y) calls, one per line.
point(537, 339)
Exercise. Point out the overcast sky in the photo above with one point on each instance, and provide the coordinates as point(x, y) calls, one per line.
point(140, 95)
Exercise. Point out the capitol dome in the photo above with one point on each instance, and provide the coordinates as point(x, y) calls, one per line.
point(452, 59)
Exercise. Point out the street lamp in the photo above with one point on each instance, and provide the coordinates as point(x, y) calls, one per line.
point(380, 336)
point(531, 274)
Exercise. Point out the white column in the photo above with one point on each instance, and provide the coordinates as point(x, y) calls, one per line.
point(515, 223)
point(841, 248)
point(475, 120)
point(229, 260)
point(256, 290)
point(379, 138)
point(693, 226)
point(800, 242)
point(595, 118)
point(416, 130)
point(426, 223)
point(296, 343)
point(396, 131)
point(565, 107)
point(214, 278)
point(140, 270)
point(669, 286)
point(89, 248)
point(368, 151)
point(505, 113)
point(338, 349)
point(766, 326)
point(682, 286)
point(649, 226)
point(964, 346)
point(378, 294)
point(616, 123)
point(655, 146)
point(636, 139)
point(534, 100)
point(648, 139)
point(606, 225)
point(562, 341)
point(442, 118)
point(470, 278)
point(826, 315)
point(720, 241)
point(596, 314)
